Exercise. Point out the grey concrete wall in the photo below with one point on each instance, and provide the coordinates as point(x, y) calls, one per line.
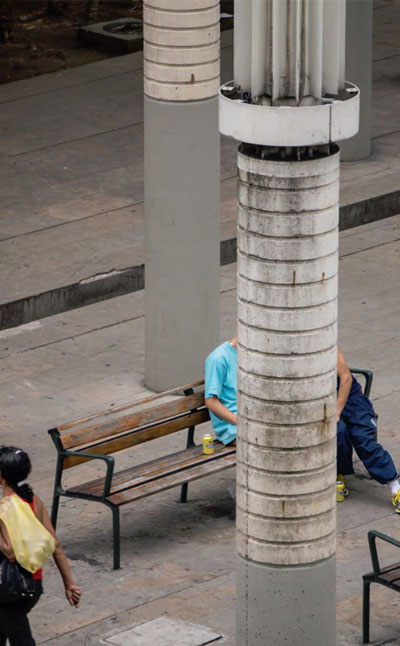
point(182, 239)
point(359, 21)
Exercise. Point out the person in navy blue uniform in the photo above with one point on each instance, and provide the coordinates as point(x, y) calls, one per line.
point(356, 428)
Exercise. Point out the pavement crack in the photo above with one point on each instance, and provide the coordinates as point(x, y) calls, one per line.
point(75, 336)
point(71, 141)
point(366, 524)
point(68, 87)
point(385, 58)
point(70, 222)
point(375, 246)
point(385, 134)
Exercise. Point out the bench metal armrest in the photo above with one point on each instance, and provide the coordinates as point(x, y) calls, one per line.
point(108, 459)
point(190, 436)
point(372, 536)
point(368, 375)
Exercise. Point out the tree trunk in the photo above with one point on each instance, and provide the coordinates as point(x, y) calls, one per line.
point(56, 8)
point(6, 20)
point(92, 10)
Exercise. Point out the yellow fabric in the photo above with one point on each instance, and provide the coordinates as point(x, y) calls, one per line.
point(30, 540)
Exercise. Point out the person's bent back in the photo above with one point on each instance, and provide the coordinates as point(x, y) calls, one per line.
point(220, 390)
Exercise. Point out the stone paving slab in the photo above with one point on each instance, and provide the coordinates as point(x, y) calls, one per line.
point(163, 631)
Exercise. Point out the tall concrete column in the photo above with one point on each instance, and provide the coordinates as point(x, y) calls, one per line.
point(182, 237)
point(286, 449)
point(289, 109)
point(359, 23)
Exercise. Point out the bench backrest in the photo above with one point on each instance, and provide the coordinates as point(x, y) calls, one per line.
point(367, 375)
point(131, 424)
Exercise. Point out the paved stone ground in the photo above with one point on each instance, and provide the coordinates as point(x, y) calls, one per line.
point(71, 150)
point(178, 560)
point(72, 173)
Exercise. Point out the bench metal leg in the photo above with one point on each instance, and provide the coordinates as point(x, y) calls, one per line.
point(184, 490)
point(56, 491)
point(366, 599)
point(54, 509)
point(116, 537)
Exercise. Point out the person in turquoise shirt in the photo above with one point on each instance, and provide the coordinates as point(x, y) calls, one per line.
point(220, 390)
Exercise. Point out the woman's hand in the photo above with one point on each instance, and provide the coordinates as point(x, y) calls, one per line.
point(73, 594)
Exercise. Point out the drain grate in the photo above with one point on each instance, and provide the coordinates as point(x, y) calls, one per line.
point(124, 27)
point(163, 631)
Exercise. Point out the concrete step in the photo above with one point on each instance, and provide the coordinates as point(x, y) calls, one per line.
point(111, 278)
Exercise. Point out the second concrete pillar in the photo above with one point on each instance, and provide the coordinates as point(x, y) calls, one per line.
point(182, 237)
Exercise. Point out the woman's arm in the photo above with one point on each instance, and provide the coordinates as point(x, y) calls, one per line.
point(72, 591)
point(5, 543)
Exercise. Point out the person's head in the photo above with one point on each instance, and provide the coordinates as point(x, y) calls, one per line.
point(15, 467)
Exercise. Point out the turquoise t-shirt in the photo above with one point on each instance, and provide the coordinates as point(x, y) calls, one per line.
point(220, 380)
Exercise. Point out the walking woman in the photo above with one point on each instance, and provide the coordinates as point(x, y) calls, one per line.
point(15, 467)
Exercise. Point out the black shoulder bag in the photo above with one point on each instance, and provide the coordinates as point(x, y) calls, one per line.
point(16, 583)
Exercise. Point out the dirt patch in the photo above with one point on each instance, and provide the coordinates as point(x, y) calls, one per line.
point(40, 42)
point(42, 35)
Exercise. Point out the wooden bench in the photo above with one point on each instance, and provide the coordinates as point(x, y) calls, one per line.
point(107, 432)
point(367, 375)
point(388, 576)
point(101, 434)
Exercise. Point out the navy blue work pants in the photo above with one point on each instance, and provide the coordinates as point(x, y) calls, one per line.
point(356, 428)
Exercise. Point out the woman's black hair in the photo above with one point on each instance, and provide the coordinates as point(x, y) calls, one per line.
point(15, 467)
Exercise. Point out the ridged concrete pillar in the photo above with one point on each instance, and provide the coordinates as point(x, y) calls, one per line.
point(286, 451)
point(182, 238)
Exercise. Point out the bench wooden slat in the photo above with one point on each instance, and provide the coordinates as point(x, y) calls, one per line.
point(390, 568)
point(167, 464)
point(130, 422)
point(141, 435)
point(391, 574)
point(174, 480)
point(159, 467)
point(138, 402)
point(394, 584)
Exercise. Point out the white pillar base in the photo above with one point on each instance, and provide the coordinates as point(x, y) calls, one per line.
point(282, 607)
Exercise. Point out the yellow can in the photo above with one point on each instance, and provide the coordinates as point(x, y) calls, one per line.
point(339, 491)
point(208, 444)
